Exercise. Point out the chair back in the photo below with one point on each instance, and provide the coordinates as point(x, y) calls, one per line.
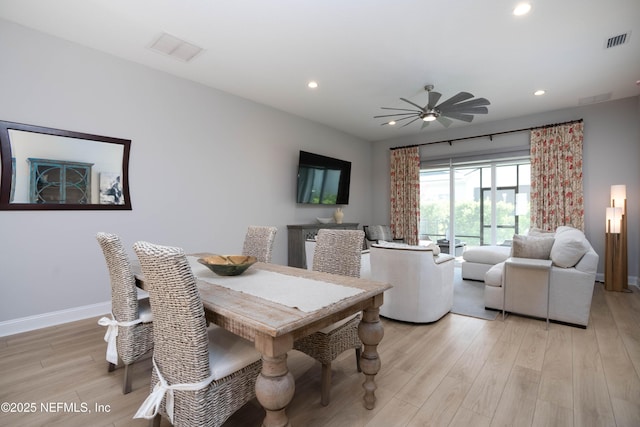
point(124, 296)
point(258, 242)
point(180, 338)
point(338, 252)
point(378, 232)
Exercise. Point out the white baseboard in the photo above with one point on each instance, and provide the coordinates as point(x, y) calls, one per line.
point(30, 323)
point(632, 281)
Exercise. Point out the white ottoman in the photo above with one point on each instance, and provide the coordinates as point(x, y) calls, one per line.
point(479, 259)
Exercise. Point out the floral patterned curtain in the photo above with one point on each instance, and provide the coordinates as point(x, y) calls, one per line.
point(405, 193)
point(556, 176)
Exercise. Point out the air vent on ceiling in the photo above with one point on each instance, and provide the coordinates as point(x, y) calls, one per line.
point(596, 98)
point(175, 47)
point(617, 40)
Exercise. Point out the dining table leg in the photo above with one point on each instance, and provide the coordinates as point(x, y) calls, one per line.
point(370, 331)
point(275, 385)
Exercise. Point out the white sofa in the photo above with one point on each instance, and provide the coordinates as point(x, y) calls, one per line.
point(572, 278)
point(422, 280)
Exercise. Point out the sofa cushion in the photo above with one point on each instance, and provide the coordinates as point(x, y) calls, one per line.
point(569, 247)
point(493, 276)
point(537, 247)
point(486, 254)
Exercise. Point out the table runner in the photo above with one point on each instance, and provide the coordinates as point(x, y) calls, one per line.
point(297, 292)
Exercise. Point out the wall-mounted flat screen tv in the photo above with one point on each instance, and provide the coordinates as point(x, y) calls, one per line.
point(323, 180)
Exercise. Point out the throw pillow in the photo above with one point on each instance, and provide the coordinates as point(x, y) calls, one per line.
point(540, 232)
point(569, 247)
point(563, 228)
point(531, 247)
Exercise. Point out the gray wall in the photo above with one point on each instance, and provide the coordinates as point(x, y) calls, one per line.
point(611, 153)
point(204, 166)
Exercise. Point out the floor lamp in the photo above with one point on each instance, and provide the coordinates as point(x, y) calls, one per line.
point(615, 271)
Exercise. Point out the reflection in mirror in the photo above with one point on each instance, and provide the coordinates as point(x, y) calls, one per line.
point(45, 168)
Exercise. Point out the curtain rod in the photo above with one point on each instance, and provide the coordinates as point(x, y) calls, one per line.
point(490, 135)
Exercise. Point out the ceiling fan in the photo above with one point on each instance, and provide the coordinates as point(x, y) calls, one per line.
point(459, 107)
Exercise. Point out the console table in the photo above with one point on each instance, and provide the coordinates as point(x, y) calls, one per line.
point(298, 234)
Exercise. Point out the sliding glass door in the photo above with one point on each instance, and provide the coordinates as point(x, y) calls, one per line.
point(480, 204)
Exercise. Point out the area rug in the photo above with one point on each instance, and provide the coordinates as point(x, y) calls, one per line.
point(468, 298)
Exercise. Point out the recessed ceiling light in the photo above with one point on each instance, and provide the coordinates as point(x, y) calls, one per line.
point(539, 92)
point(392, 122)
point(312, 85)
point(522, 9)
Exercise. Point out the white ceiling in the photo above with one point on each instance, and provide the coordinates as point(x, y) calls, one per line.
point(366, 54)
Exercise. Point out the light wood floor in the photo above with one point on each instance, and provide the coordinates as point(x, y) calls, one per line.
point(460, 371)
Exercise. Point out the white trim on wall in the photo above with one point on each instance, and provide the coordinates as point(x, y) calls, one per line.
point(29, 323)
point(631, 280)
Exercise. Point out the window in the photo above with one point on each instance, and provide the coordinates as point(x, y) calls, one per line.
point(483, 203)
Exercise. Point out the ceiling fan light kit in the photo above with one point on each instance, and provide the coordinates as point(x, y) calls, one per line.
point(458, 107)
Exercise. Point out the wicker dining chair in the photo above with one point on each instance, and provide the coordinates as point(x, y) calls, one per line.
point(258, 242)
point(200, 376)
point(337, 252)
point(130, 328)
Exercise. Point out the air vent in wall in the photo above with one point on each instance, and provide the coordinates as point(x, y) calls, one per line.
point(617, 40)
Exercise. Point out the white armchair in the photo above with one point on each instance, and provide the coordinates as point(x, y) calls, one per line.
point(422, 280)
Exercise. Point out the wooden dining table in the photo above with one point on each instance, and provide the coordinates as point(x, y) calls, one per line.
point(273, 326)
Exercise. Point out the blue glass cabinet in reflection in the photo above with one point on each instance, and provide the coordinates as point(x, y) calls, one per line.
point(54, 181)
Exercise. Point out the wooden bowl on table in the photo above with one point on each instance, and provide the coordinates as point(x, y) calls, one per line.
point(228, 265)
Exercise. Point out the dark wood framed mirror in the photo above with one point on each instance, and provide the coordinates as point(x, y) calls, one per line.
point(51, 169)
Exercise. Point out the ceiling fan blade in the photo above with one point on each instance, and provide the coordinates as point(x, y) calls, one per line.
point(405, 118)
point(401, 119)
point(396, 114)
point(479, 102)
point(458, 116)
point(406, 124)
point(412, 103)
point(473, 110)
point(434, 97)
point(397, 109)
point(462, 96)
point(477, 110)
point(444, 121)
